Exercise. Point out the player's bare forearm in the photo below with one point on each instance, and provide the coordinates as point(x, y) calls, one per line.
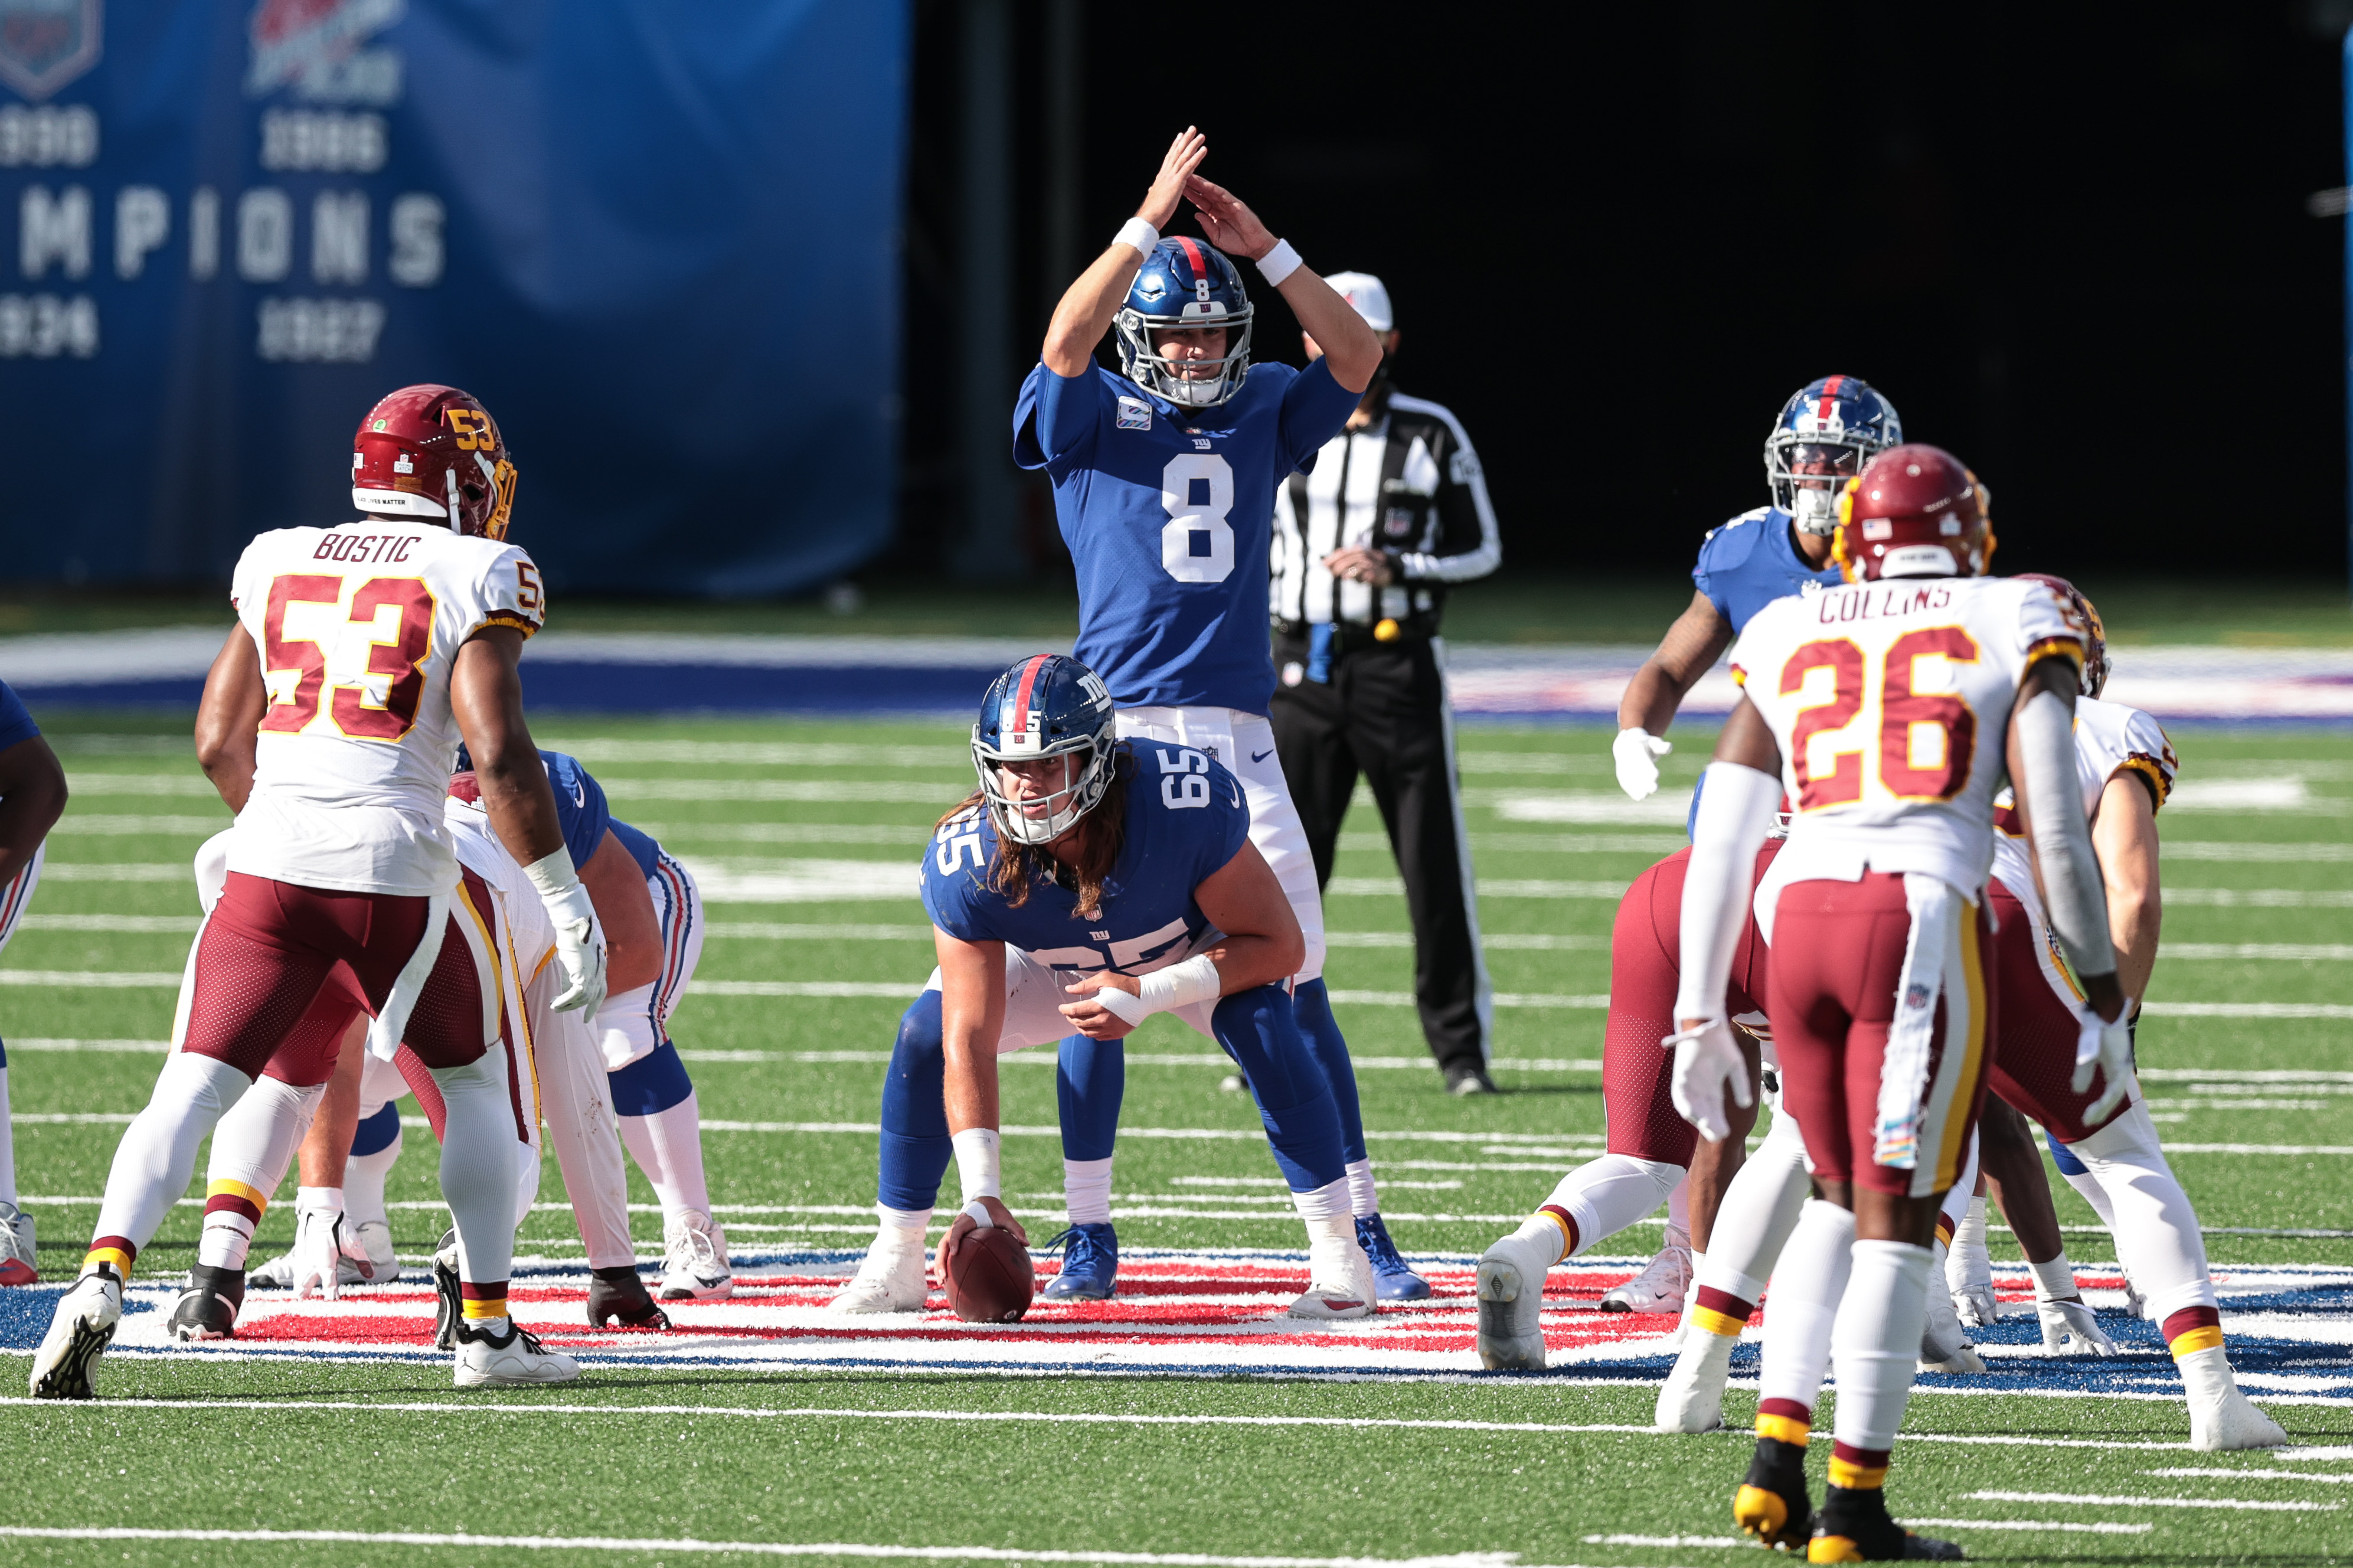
point(2124, 837)
point(625, 908)
point(1748, 740)
point(327, 1147)
point(972, 1019)
point(1088, 305)
point(1350, 347)
point(486, 697)
point(32, 799)
point(1263, 942)
point(1690, 649)
point(228, 719)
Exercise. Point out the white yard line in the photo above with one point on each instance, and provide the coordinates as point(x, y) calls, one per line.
point(2261, 897)
point(2095, 1527)
point(2274, 952)
point(2328, 1475)
point(2243, 1504)
point(153, 925)
point(93, 980)
point(2306, 852)
point(690, 1546)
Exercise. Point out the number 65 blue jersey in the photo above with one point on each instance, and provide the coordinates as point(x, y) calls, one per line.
point(1184, 820)
point(1169, 516)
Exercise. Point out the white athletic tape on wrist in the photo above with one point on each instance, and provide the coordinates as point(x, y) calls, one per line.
point(977, 1212)
point(977, 1163)
point(560, 888)
point(1278, 263)
point(1138, 232)
point(1164, 990)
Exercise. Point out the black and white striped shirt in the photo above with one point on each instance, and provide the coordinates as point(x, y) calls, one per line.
point(1407, 484)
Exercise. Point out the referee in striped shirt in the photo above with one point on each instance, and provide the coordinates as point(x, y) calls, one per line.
point(1367, 542)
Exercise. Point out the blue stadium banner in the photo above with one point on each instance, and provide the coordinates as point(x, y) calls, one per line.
point(658, 240)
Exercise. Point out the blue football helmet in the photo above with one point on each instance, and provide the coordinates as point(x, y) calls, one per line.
point(1832, 428)
point(1047, 706)
point(1184, 283)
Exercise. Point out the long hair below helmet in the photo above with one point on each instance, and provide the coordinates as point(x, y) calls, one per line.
point(1047, 707)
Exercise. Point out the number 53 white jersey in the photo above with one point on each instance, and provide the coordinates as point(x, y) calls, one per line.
point(357, 628)
point(1891, 702)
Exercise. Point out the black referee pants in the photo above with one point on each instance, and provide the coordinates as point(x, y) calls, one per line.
point(1384, 714)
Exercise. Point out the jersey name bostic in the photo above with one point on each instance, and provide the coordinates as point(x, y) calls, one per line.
point(1183, 819)
point(1889, 700)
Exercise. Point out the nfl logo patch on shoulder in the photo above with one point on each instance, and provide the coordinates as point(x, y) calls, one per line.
point(1135, 414)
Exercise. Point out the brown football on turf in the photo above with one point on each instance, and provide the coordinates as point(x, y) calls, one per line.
point(990, 1281)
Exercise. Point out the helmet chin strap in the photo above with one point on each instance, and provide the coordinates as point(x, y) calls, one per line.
point(456, 525)
point(1814, 511)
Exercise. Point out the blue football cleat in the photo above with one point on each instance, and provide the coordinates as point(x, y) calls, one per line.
point(1090, 1263)
point(1393, 1278)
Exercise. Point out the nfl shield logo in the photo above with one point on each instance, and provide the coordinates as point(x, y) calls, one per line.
point(44, 44)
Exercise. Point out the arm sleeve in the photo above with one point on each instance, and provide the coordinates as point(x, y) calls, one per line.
point(1469, 547)
point(2074, 893)
point(1727, 830)
point(1055, 419)
point(512, 594)
point(1314, 408)
point(16, 724)
point(2148, 756)
point(581, 809)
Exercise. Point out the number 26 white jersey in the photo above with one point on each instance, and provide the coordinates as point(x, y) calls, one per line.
point(357, 628)
point(1891, 703)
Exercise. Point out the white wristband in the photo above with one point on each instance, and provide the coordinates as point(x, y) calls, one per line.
point(1278, 263)
point(977, 1163)
point(978, 1213)
point(1139, 233)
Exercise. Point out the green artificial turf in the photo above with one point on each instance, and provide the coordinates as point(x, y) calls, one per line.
point(1312, 1491)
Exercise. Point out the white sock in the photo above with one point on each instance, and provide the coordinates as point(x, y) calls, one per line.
point(902, 1227)
point(1329, 1201)
point(1970, 1266)
point(1363, 1198)
point(1679, 1207)
point(1604, 1196)
point(1758, 1211)
point(1086, 1191)
point(2156, 1233)
point(478, 1166)
point(1877, 1344)
point(363, 1178)
point(158, 1152)
point(7, 1142)
point(668, 1146)
point(252, 1146)
point(1800, 1314)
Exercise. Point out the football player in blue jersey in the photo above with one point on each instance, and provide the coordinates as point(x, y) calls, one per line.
point(1087, 884)
point(1826, 432)
point(1164, 479)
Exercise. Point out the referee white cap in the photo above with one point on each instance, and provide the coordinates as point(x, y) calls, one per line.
point(1368, 295)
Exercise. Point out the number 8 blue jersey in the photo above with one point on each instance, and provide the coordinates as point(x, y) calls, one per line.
point(1185, 818)
point(1169, 516)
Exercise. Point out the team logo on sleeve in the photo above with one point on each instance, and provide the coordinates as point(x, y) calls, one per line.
point(1135, 414)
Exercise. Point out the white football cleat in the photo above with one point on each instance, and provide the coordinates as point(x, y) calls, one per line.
point(2221, 1418)
point(2069, 1328)
point(1511, 1304)
point(84, 1325)
point(1944, 1345)
point(18, 1263)
point(1339, 1280)
point(1977, 1306)
point(695, 1266)
point(1692, 1399)
point(892, 1278)
point(1661, 1288)
point(509, 1360)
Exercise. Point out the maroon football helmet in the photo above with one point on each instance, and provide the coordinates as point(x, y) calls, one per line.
point(1916, 511)
point(2096, 639)
point(434, 451)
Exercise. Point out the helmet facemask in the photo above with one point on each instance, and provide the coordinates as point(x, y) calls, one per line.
point(1038, 818)
point(1805, 477)
point(1210, 381)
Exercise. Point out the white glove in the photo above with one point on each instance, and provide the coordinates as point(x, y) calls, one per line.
point(2069, 1328)
point(579, 940)
point(319, 1252)
point(1706, 1061)
point(1637, 752)
point(2108, 1048)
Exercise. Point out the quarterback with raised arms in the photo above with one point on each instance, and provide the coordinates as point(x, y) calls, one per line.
point(1165, 476)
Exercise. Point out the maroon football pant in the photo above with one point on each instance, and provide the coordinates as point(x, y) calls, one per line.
point(1838, 955)
point(2034, 1053)
point(281, 972)
point(1645, 967)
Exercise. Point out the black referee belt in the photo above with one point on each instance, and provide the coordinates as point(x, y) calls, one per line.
point(1355, 636)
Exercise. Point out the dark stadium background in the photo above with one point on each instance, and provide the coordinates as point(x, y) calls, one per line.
point(2070, 242)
